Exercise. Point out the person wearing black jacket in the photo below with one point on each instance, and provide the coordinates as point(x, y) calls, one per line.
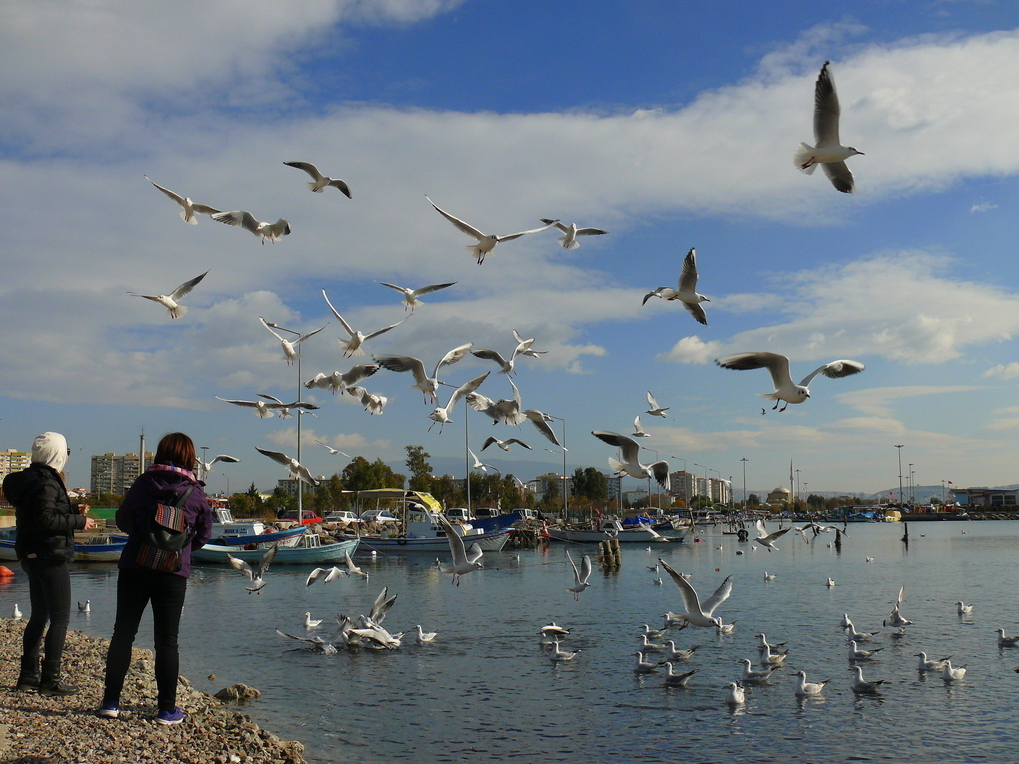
point(46, 523)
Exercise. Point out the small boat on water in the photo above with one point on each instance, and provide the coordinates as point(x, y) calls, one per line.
point(229, 532)
point(7, 537)
point(614, 529)
point(309, 549)
point(419, 529)
point(103, 547)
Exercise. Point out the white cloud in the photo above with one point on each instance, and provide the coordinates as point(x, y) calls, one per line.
point(983, 207)
point(877, 401)
point(692, 350)
point(1003, 370)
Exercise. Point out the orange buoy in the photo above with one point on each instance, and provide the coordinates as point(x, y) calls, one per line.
point(5, 572)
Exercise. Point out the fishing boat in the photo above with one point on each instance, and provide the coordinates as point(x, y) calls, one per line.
point(309, 549)
point(229, 532)
point(7, 537)
point(613, 529)
point(103, 547)
point(419, 529)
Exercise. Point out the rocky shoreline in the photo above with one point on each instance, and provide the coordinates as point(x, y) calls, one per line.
point(40, 730)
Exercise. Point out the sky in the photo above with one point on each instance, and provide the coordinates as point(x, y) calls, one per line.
point(671, 124)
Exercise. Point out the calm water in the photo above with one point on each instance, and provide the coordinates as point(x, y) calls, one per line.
point(485, 692)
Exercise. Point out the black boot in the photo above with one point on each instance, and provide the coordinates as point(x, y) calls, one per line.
point(29, 677)
point(49, 681)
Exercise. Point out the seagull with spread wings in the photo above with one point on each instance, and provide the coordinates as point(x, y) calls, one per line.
point(320, 182)
point(778, 366)
point(571, 232)
point(410, 296)
point(630, 464)
point(687, 291)
point(427, 385)
point(255, 575)
point(188, 207)
point(464, 560)
point(352, 346)
point(297, 470)
point(342, 380)
point(271, 231)
point(827, 150)
point(172, 301)
point(289, 346)
point(579, 576)
point(698, 613)
point(263, 410)
point(441, 413)
point(486, 242)
point(504, 444)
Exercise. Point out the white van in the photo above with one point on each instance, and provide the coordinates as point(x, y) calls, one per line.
point(459, 514)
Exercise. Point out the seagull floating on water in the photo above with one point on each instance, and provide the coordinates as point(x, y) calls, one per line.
point(734, 695)
point(17, 612)
point(751, 675)
point(952, 674)
point(861, 685)
point(778, 366)
point(425, 636)
point(1004, 641)
point(672, 679)
point(804, 688)
point(856, 654)
point(828, 150)
point(85, 607)
point(963, 609)
point(172, 301)
point(926, 664)
point(643, 666)
point(310, 623)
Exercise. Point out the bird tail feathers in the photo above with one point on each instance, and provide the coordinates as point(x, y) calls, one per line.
point(804, 158)
point(188, 218)
point(266, 414)
point(571, 245)
point(314, 190)
point(615, 465)
point(179, 311)
point(769, 396)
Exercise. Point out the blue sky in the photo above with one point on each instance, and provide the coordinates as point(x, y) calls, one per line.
point(670, 124)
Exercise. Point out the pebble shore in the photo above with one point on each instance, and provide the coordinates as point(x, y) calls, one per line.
point(65, 730)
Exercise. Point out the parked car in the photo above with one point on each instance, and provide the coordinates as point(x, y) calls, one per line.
point(291, 516)
point(378, 516)
point(459, 515)
point(342, 516)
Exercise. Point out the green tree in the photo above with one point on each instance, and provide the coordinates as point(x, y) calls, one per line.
point(362, 475)
point(753, 500)
point(419, 468)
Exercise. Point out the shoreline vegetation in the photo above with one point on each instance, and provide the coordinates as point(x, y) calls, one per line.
point(39, 730)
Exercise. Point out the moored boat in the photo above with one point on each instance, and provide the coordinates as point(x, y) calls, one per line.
point(103, 547)
point(7, 537)
point(613, 529)
point(309, 549)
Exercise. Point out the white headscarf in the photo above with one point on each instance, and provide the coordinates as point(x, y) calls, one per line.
point(50, 449)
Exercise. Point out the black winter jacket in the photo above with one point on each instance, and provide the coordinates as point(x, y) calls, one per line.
point(45, 518)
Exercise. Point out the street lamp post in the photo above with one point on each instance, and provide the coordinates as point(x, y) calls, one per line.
point(205, 459)
point(899, 449)
point(942, 492)
point(300, 388)
point(227, 483)
point(744, 460)
point(912, 498)
point(797, 497)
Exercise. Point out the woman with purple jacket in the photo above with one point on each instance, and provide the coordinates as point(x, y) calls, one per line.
point(165, 482)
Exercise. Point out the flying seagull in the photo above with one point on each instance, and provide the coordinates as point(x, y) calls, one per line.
point(284, 408)
point(342, 380)
point(263, 410)
point(352, 346)
point(333, 451)
point(289, 346)
point(778, 365)
point(320, 181)
point(410, 296)
point(630, 465)
point(255, 575)
point(504, 444)
point(828, 151)
point(464, 560)
point(427, 385)
point(655, 409)
point(188, 207)
point(441, 413)
point(486, 242)
point(479, 465)
point(172, 301)
point(271, 231)
point(579, 576)
point(571, 232)
point(699, 613)
point(206, 466)
point(297, 470)
point(687, 291)
point(373, 403)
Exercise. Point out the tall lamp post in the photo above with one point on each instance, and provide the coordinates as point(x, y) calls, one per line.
point(797, 497)
point(744, 460)
point(205, 459)
point(909, 475)
point(227, 483)
point(300, 387)
point(898, 447)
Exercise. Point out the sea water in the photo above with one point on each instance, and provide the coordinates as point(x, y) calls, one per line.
point(486, 691)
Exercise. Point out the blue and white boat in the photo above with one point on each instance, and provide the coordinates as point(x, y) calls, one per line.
point(309, 550)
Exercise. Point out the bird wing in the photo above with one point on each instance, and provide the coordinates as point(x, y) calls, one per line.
point(776, 364)
point(561, 226)
point(456, 542)
point(303, 337)
point(490, 441)
point(272, 398)
point(186, 287)
point(651, 401)
point(400, 289)
point(460, 225)
point(628, 446)
point(576, 573)
point(176, 197)
point(518, 442)
point(242, 218)
point(454, 355)
point(585, 569)
point(381, 605)
point(249, 404)
point(826, 109)
point(377, 332)
point(240, 565)
point(777, 534)
point(695, 310)
point(224, 458)
point(591, 231)
point(464, 389)
point(835, 370)
point(274, 334)
point(660, 470)
point(720, 595)
point(431, 288)
point(538, 420)
point(474, 553)
point(308, 167)
point(267, 559)
point(336, 313)
point(403, 363)
point(690, 600)
point(490, 355)
point(342, 186)
point(840, 176)
point(309, 640)
point(688, 276)
point(477, 462)
point(276, 456)
point(518, 234)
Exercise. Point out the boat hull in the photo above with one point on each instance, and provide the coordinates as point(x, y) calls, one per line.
point(488, 542)
point(329, 554)
point(635, 535)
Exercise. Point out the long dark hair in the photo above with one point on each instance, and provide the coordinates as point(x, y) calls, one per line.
point(176, 448)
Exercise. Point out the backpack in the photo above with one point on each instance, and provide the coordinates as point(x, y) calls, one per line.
point(164, 537)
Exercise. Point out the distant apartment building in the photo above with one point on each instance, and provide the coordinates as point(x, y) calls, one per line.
point(114, 474)
point(13, 461)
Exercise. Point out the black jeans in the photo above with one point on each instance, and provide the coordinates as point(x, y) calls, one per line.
point(49, 589)
point(135, 589)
